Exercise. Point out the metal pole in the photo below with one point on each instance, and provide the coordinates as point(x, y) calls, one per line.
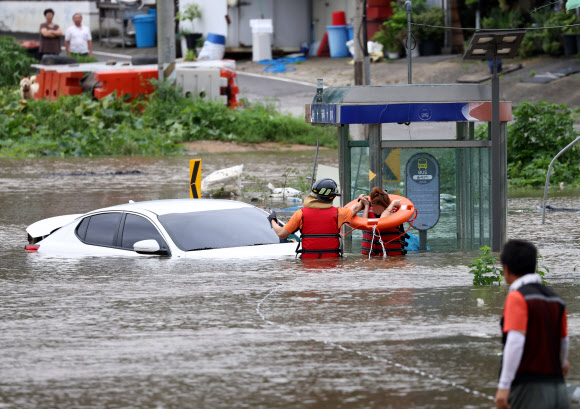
point(422, 239)
point(344, 171)
point(548, 176)
point(375, 156)
point(314, 167)
point(498, 208)
point(165, 38)
point(358, 51)
point(367, 58)
point(409, 7)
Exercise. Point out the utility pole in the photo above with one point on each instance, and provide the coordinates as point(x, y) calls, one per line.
point(165, 38)
point(409, 8)
point(361, 54)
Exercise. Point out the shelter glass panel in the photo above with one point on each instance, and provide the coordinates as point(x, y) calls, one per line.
point(464, 188)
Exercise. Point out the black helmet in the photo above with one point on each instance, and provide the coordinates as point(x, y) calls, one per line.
point(325, 189)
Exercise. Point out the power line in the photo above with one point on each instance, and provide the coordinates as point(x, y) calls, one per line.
point(545, 5)
point(499, 29)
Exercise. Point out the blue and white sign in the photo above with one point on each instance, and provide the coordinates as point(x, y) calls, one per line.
point(422, 173)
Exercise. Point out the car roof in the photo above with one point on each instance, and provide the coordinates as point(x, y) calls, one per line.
point(161, 207)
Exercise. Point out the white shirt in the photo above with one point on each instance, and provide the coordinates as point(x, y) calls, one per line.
point(78, 37)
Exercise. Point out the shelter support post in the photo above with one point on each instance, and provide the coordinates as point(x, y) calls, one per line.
point(375, 156)
point(466, 188)
point(499, 167)
point(344, 174)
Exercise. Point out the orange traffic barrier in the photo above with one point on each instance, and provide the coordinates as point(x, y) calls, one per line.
point(231, 90)
point(53, 84)
point(125, 82)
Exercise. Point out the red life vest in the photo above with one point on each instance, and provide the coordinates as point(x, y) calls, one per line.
point(394, 248)
point(541, 357)
point(320, 236)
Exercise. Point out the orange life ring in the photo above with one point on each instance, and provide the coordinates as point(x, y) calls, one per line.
point(401, 216)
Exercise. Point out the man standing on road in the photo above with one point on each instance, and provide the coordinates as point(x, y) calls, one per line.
point(535, 336)
point(50, 35)
point(319, 222)
point(78, 40)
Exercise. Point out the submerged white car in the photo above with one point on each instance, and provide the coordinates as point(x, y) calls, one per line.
point(187, 228)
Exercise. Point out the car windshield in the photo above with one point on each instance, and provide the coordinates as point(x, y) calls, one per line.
point(215, 229)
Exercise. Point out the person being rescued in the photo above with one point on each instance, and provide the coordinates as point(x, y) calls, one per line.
point(319, 222)
point(382, 207)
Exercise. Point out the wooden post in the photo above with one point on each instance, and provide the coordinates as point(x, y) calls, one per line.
point(165, 38)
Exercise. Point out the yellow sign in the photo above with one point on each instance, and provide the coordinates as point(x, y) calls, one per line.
point(195, 178)
point(371, 175)
point(392, 172)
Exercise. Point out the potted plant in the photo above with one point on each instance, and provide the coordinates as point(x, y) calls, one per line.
point(393, 32)
point(571, 35)
point(189, 14)
point(430, 39)
point(552, 39)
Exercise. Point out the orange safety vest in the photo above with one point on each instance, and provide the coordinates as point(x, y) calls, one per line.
point(372, 244)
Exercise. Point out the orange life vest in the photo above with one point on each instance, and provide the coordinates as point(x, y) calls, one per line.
point(372, 244)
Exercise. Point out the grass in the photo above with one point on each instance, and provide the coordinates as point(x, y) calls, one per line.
point(81, 126)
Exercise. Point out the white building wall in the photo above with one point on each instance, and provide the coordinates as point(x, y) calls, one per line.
point(212, 19)
point(27, 16)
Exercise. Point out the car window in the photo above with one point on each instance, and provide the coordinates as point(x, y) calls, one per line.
point(102, 229)
point(138, 228)
point(82, 228)
point(214, 229)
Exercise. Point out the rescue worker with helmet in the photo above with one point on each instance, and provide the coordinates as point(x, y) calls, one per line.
point(535, 336)
point(319, 222)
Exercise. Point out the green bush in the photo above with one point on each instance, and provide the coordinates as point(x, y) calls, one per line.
point(486, 272)
point(80, 126)
point(552, 38)
point(499, 19)
point(539, 132)
point(433, 16)
point(15, 62)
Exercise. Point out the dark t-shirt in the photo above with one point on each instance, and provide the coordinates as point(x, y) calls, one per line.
point(49, 45)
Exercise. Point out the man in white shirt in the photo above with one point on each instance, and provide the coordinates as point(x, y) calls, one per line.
point(77, 39)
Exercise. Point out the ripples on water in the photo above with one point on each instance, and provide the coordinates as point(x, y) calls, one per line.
point(140, 333)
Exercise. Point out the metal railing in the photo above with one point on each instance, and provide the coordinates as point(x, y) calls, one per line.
point(548, 176)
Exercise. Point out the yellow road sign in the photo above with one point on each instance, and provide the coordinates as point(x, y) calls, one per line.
point(392, 172)
point(371, 175)
point(195, 178)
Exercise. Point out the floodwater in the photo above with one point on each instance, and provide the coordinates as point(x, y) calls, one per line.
point(408, 332)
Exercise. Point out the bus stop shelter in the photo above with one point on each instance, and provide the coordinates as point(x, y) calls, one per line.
point(434, 121)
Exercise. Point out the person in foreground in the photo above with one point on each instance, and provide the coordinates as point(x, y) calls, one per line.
point(535, 336)
point(319, 221)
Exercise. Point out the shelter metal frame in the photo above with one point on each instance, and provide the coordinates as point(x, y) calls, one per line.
point(374, 105)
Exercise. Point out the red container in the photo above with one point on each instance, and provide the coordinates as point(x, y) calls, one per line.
point(379, 12)
point(379, 3)
point(338, 18)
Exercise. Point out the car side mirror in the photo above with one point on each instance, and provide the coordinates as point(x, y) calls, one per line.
point(146, 247)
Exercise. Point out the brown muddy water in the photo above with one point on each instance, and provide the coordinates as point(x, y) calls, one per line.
point(407, 332)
